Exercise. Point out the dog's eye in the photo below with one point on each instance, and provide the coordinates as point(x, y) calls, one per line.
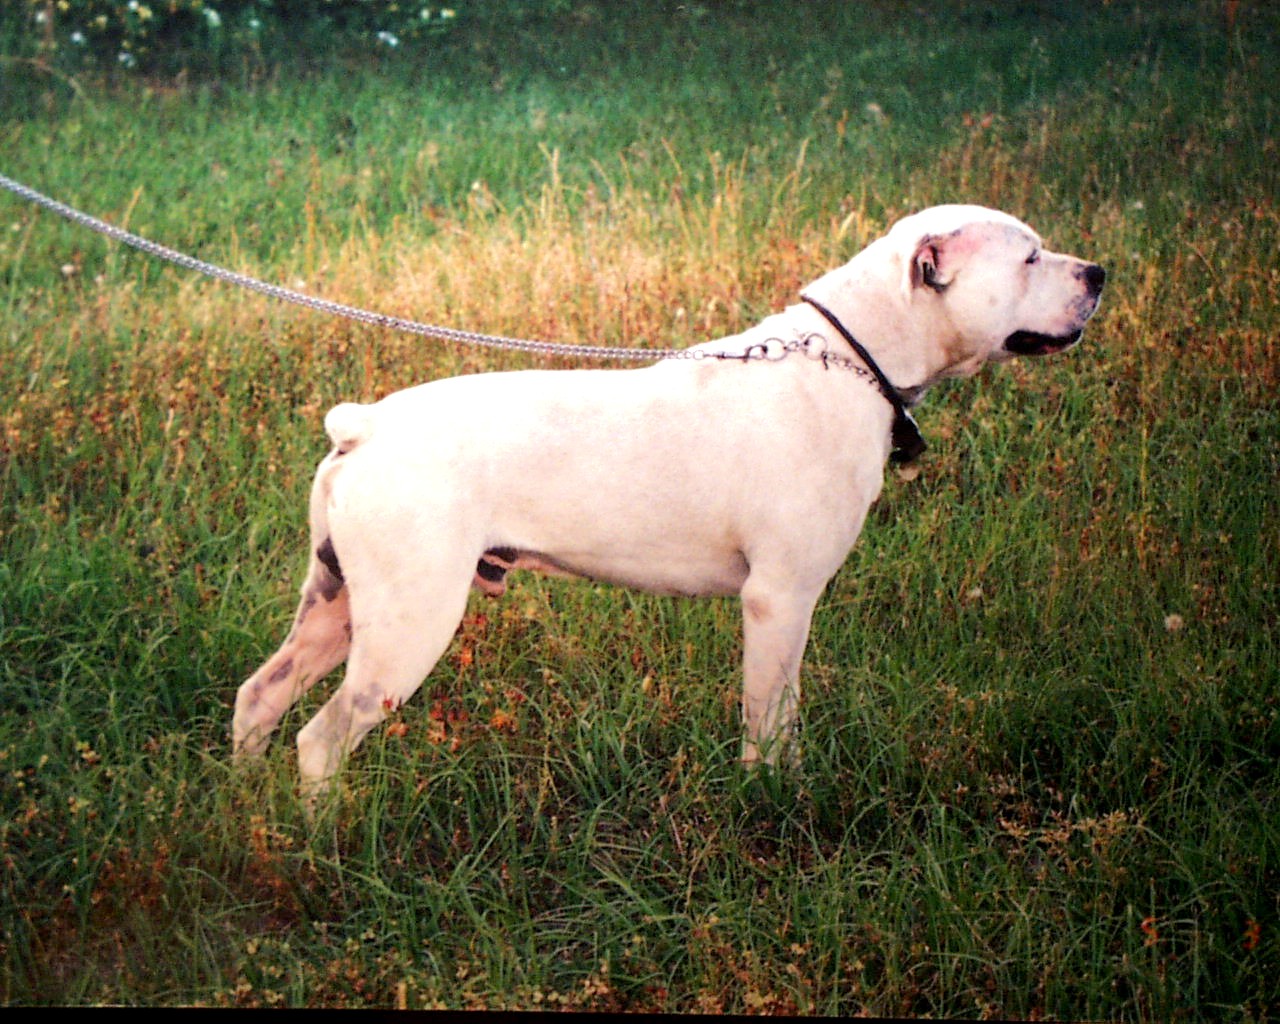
point(1034, 257)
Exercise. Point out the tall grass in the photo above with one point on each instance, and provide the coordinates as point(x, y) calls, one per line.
point(1040, 721)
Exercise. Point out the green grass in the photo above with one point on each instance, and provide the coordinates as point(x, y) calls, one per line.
point(1041, 718)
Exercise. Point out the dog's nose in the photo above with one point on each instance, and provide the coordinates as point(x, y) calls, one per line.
point(1094, 278)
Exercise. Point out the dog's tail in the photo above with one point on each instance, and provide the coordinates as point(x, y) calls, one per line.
point(349, 425)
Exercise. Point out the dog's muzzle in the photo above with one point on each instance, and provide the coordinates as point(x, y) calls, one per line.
point(1033, 343)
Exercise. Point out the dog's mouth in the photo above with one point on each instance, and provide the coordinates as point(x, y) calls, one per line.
point(1031, 343)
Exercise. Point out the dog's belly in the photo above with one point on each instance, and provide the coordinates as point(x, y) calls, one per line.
point(690, 575)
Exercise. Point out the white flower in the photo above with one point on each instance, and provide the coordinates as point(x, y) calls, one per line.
point(212, 18)
point(448, 12)
point(388, 38)
point(126, 59)
point(77, 37)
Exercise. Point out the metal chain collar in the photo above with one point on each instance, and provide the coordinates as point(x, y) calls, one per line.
point(813, 345)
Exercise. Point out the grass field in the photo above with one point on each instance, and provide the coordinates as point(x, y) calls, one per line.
point(1042, 719)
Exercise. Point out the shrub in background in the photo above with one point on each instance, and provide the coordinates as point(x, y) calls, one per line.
point(169, 34)
point(68, 37)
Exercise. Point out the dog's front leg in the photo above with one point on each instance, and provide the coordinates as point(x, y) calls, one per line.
point(775, 629)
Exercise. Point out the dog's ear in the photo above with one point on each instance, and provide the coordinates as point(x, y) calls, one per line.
point(930, 265)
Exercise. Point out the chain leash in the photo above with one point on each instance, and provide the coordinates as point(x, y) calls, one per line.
point(813, 345)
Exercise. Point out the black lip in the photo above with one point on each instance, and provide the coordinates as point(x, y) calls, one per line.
point(1029, 343)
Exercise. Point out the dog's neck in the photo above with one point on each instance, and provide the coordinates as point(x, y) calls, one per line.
point(908, 445)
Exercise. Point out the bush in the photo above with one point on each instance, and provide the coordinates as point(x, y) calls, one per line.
point(165, 34)
point(210, 37)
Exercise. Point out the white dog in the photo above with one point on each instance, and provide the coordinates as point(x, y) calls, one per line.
point(748, 470)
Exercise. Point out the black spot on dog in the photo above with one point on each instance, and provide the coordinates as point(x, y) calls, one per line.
point(491, 571)
point(368, 704)
point(281, 674)
point(495, 563)
point(330, 588)
point(329, 559)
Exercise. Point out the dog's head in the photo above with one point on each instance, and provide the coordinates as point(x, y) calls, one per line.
point(989, 287)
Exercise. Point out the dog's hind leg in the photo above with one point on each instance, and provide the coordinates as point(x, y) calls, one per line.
point(318, 643)
point(402, 626)
point(320, 638)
